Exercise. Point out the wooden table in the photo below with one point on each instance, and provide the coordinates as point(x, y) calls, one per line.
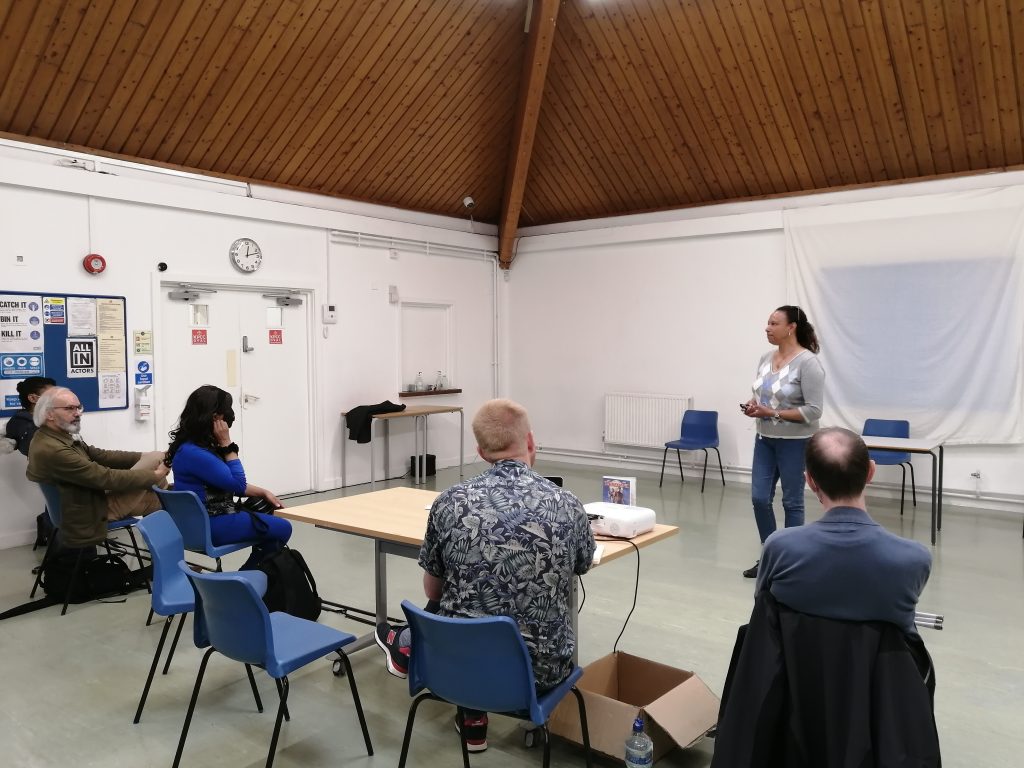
point(396, 520)
point(419, 414)
point(912, 445)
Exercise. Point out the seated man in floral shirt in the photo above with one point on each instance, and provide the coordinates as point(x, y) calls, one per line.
point(489, 536)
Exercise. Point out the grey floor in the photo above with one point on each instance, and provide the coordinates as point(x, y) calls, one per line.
point(69, 685)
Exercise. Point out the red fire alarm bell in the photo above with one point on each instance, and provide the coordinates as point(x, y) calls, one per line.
point(94, 263)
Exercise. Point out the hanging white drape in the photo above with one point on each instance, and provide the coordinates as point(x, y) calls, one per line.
point(918, 306)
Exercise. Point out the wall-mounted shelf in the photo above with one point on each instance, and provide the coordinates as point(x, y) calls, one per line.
point(430, 392)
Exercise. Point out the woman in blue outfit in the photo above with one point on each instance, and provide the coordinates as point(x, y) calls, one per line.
point(788, 393)
point(205, 461)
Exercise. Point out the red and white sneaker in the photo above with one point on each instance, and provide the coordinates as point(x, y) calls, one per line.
point(475, 729)
point(396, 656)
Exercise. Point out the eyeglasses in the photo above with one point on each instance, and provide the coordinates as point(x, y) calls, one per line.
point(75, 408)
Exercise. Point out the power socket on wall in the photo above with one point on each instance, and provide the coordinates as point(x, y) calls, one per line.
point(19, 260)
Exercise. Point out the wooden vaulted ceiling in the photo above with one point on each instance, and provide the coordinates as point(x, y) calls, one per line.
point(543, 111)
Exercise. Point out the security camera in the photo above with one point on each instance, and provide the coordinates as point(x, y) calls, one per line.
point(469, 202)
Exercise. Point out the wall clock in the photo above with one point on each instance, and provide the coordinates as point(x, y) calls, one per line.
point(246, 255)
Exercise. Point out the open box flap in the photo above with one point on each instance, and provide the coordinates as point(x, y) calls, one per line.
point(686, 712)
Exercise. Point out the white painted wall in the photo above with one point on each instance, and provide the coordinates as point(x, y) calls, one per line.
point(672, 302)
point(363, 354)
point(52, 216)
point(672, 316)
point(676, 302)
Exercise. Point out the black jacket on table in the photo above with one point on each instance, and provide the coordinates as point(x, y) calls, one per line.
point(360, 419)
point(808, 692)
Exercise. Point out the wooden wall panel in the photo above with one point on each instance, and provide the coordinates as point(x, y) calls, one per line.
point(648, 104)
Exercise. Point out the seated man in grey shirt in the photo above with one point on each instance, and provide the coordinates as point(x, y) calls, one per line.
point(845, 565)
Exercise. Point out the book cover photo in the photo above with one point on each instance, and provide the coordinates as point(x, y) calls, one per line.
point(619, 490)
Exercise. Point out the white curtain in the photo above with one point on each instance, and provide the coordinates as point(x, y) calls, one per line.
point(918, 307)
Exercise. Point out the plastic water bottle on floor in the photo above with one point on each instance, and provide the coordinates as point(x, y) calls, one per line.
point(639, 747)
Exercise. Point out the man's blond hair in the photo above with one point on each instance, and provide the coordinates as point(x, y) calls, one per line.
point(500, 426)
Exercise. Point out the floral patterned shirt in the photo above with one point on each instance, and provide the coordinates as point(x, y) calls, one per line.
point(509, 543)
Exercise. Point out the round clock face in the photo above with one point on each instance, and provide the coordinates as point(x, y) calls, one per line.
point(246, 254)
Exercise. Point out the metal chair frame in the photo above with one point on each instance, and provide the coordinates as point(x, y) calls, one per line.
point(698, 419)
point(51, 494)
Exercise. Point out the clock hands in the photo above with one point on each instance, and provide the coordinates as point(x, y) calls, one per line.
point(249, 260)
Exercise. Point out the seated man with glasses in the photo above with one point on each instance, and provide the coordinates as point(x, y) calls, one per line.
point(95, 485)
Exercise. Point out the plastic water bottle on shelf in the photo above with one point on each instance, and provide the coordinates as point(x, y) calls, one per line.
point(639, 747)
point(439, 381)
point(418, 385)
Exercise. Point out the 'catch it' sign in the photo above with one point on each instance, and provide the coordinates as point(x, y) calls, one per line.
point(81, 358)
point(20, 324)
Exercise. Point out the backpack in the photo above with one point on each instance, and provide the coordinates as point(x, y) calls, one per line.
point(44, 529)
point(290, 585)
point(100, 576)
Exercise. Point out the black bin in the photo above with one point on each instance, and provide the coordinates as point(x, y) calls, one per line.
point(431, 465)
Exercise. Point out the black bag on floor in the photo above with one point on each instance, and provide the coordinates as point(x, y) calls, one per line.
point(290, 586)
point(44, 529)
point(100, 576)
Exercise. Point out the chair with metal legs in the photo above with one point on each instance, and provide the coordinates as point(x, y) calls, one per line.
point(172, 592)
point(51, 493)
point(893, 428)
point(189, 514)
point(698, 432)
point(480, 664)
point(231, 618)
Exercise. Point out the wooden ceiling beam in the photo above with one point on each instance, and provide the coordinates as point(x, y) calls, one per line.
point(531, 93)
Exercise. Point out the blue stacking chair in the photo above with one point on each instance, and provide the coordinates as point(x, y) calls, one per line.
point(189, 515)
point(51, 493)
point(480, 664)
point(893, 428)
point(231, 618)
point(172, 593)
point(698, 432)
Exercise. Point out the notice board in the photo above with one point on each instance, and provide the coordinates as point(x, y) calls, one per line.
point(79, 340)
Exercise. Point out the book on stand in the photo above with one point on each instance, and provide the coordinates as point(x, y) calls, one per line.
point(619, 490)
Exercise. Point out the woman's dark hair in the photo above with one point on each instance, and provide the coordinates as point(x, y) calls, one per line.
point(33, 385)
point(805, 335)
point(195, 425)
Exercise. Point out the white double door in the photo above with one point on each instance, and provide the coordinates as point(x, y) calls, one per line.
point(258, 351)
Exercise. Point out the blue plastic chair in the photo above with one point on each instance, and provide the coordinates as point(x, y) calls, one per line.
point(231, 618)
point(51, 493)
point(893, 428)
point(480, 664)
point(698, 432)
point(172, 593)
point(189, 514)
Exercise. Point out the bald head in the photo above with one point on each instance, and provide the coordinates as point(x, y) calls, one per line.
point(502, 431)
point(838, 462)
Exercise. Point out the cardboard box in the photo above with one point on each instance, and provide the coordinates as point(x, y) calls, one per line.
point(677, 706)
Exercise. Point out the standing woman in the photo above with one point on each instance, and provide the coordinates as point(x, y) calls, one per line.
point(787, 401)
point(205, 461)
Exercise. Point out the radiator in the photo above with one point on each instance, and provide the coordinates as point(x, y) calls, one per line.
point(643, 420)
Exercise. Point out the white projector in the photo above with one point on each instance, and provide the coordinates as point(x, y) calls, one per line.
point(620, 520)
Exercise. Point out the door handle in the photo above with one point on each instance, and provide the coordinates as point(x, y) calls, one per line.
point(246, 399)
point(245, 345)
